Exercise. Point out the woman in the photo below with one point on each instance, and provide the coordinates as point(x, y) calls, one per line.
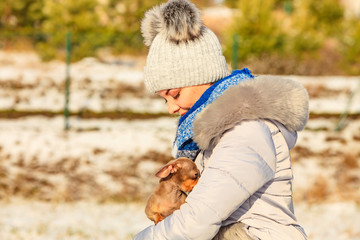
point(236, 127)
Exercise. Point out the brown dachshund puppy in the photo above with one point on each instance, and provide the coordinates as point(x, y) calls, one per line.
point(177, 177)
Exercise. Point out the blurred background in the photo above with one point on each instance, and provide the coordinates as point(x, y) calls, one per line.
point(81, 139)
point(277, 36)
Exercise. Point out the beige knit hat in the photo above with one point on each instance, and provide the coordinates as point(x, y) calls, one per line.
point(183, 52)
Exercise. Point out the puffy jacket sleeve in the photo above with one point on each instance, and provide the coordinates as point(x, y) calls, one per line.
point(241, 163)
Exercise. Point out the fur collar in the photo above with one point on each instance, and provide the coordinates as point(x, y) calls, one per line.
point(264, 97)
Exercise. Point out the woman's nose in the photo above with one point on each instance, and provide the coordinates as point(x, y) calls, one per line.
point(172, 107)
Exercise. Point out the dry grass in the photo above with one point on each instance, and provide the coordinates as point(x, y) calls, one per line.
point(73, 179)
point(321, 91)
point(18, 44)
point(318, 192)
point(300, 152)
point(342, 184)
point(336, 138)
point(348, 177)
point(155, 156)
point(356, 136)
point(350, 161)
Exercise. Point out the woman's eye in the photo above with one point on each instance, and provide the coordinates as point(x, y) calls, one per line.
point(177, 95)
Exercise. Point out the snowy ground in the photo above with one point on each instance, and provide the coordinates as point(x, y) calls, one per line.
point(24, 219)
point(91, 182)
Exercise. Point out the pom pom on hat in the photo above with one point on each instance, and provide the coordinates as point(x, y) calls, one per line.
point(179, 19)
point(152, 24)
point(182, 20)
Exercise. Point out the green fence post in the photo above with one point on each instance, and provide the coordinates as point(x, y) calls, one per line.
point(67, 80)
point(235, 51)
point(342, 120)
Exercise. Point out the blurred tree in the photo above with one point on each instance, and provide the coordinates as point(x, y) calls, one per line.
point(94, 24)
point(259, 33)
point(124, 23)
point(261, 27)
point(75, 16)
point(231, 3)
point(327, 13)
point(350, 46)
point(311, 23)
point(302, 35)
point(21, 13)
point(20, 22)
point(235, 3)
point(203, 3)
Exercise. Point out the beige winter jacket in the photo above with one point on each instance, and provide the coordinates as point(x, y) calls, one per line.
point(245, 137)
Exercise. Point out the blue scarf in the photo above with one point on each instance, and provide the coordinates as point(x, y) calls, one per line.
point(184, 146)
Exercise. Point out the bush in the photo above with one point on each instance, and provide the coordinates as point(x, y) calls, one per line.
point(20, 21)
point(265, 32)
point(17, 14)
point(328, 14)
point(350, 46)
point(63, 16)
point(258, 31)
point(93, 25)
point(278, 3)
point(303, 35)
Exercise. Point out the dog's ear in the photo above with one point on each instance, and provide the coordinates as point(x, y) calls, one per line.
point(171, 167)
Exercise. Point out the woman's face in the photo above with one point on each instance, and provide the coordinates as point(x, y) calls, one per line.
point(180, 100)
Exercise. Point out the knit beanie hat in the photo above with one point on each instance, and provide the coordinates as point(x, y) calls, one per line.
point(183, 52)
